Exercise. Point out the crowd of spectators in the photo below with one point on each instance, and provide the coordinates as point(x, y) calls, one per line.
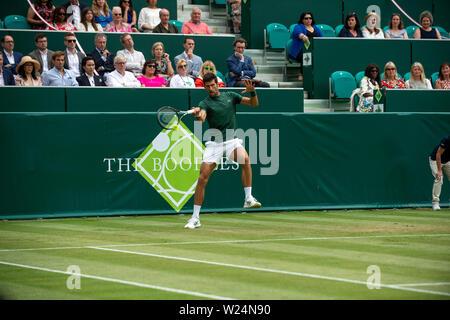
point(130, 67)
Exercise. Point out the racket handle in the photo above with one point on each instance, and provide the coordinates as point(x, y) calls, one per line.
point(190, 111)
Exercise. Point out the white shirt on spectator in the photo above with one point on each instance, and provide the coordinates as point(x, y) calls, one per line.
point(182, 82)
point(373, 35)
point(150, 17)
point(81, 27)
point(2, 81)
point(135, 60)
point(10, 57)
point(44, 61)
point(115, 79)
point(75, 18)
point(74, 63)
point(418, 84)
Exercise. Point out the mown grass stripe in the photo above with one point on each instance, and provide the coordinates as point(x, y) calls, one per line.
point(315, 276)
point(132, 283)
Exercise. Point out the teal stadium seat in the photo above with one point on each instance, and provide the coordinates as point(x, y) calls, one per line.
point(385, 29)
point(221, 2)
point(177, 23)
point(434, 77)
point(327, 31)
point(16, 22)
point(221, 76)
point(442, 31)
point(277, 35)
point(358, 78)
point(1, 24)
point(406, 76)
point(338, 29)
point(341, 85)
point(410, 30)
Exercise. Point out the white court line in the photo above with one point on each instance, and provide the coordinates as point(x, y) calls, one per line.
point(430, 284)
point(308, 275)
point(233, 241)
point(131, 283)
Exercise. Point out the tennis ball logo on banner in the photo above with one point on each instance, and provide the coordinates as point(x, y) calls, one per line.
point(171, 165)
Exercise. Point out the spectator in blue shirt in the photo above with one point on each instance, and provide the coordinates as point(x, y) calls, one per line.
point(304, 30)
point(352, 27)
point(58, 76)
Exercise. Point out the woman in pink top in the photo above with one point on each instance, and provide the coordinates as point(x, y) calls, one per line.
point(150, 77)
point(117, 25)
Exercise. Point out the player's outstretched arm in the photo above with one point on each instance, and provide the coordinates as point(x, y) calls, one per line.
point(253, 100)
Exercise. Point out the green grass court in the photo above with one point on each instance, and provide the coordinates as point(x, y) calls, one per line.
point(251, 256)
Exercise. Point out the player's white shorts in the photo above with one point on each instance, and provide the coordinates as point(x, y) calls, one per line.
point(214, 151)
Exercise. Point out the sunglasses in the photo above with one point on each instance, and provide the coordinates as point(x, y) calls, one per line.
point(182, 66)
point(151, 66)
point(307, 18)
point(117, 14)
point(209, 68)
point(61, 13)
point(390, 69)
point(71, 40)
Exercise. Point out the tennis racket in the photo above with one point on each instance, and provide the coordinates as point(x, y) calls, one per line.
point(169, 118)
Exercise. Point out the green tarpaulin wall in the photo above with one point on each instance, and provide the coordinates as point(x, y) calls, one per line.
point(53, 164)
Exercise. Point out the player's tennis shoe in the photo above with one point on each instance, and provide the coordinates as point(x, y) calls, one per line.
point(436, 206)
point(251, 203)
point(192, 224)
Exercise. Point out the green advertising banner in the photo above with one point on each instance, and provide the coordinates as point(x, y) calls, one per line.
point(99, 164)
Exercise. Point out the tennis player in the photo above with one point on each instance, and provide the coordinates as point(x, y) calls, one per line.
point(219, 109)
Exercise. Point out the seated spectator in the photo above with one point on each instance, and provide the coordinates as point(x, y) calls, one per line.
point(195, 26)
point(150, 76)
point(104, 60)
point(208, 67)
point(162, 59)
point(164, 26)
point(396, 28)
point(88, 23)
point(42, 54)
point(117, 25)
point(128, 13)
point(352, 27)
point(135, 59)
point(370, 31)
point(417, 78)
point(45, 9)
point(58, 76)
point(304, 30)
point(74, 9)
point(194, 62)
point(102, 13)
point(59, 20)
point(149, 16)
point(6, 76)
point(369, 83)
point(235, 15)
point(241, 67)
point(390, 77)
point(27, 73)
point(88, 78)
point(181, 80)
point(73, 57)
point(11, 58)
point(120, 77)
point(443, 82)
point(426, 31)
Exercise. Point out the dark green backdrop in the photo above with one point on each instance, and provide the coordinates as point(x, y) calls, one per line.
point(53, 164)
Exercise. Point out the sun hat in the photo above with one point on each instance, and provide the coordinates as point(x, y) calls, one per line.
point(25, 59)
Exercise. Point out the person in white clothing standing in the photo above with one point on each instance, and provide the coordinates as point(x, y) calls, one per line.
point(149, 17)
point(120, 77)
point(135, 59)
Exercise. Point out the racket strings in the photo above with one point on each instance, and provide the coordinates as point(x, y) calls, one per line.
point(166, 116)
